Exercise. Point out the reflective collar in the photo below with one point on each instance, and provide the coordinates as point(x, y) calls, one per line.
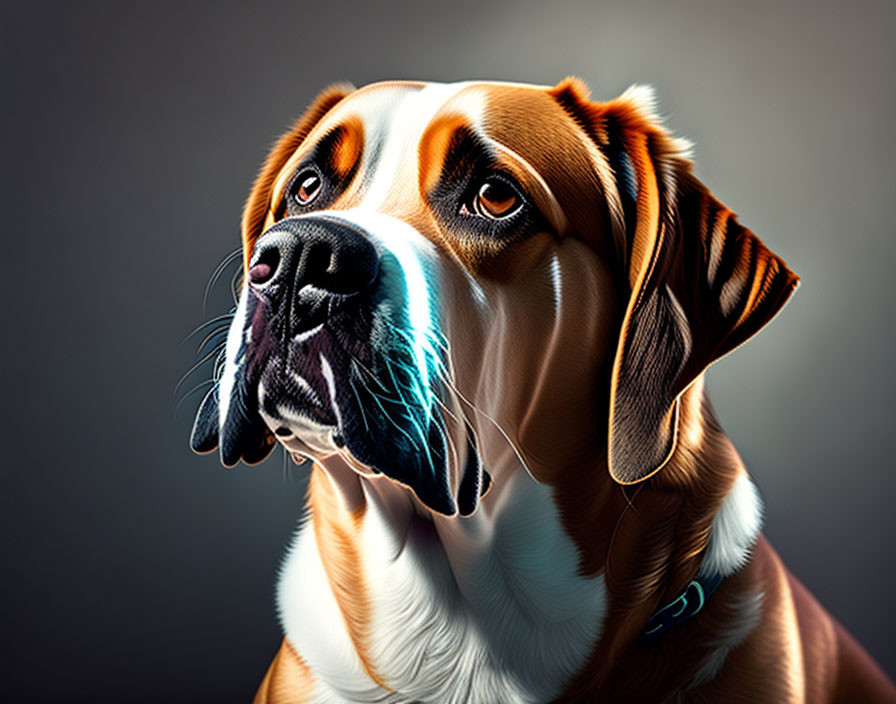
point(689, 603)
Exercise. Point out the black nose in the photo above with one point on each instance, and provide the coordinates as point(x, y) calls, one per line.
point(332, 256)
point(309, 267)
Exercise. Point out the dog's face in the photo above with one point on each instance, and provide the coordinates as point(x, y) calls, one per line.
point(438, 277)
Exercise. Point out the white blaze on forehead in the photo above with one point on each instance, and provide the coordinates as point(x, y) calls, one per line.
point(391, 140)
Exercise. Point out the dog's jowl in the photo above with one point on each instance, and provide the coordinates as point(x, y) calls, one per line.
point(484, 312)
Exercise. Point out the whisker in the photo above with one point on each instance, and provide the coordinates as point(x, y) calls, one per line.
point(194, 368)
point(386, 414)
point(453, 388)
point(410, 414)
point(217, 274)
point(446, 410)
point(370, 373)
point(434, 338)
point(351, 385)
point(200, 386)
point(217, 319)
point(220, 363)
point(441, 365)
point(236, 283)
point(208, 338)
point(452, 447)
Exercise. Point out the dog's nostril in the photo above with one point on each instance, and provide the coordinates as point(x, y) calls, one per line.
point(259, 273)
point(263, 270)
point(282, 431)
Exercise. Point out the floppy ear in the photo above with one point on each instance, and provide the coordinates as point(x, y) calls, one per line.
point(701, 283)
point(242, 434)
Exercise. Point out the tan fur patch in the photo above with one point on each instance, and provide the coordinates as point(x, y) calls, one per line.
point(337, 533)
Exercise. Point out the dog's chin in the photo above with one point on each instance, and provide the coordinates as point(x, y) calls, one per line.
point(299, 430)
point(368, 441)
point(371, 440)
point(326, 396)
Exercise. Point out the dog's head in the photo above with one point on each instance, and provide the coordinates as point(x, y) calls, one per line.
point(436, 273)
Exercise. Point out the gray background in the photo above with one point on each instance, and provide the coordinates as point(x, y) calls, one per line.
point(133, 570)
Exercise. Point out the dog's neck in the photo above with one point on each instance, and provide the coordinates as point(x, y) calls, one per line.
point(502, 587)
point(579, 558)
point(705, 470)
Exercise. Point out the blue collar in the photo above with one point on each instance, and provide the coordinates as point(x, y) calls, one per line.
point(688, 604)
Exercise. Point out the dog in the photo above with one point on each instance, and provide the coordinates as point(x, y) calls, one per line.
point(484, 311)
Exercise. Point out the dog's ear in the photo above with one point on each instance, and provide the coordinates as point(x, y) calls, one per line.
point(258, 206)
point(239, 431)
point(700, 283)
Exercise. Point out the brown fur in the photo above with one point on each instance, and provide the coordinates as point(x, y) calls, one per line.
point(288, 679)
point(336, 528)
point(259, 203)
point(643, 522)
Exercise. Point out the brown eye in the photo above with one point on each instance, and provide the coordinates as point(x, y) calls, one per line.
point(308, 185)
point(497, 198)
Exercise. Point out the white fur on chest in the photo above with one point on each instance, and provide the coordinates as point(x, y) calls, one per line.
point(491, 609)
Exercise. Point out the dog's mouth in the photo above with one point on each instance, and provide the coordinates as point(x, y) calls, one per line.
point(297, 396)
point(356, 367)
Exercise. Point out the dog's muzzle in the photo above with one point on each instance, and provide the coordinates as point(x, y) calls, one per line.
point(312, 280)
point(327, 351)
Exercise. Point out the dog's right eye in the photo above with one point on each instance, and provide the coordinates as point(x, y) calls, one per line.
point(307, 186)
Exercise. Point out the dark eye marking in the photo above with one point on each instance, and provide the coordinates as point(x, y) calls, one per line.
point(324, 174)
point(478, 200)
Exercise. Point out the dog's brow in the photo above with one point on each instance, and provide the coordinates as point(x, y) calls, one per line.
point(526, 120)
point(443, 150)
point(440, 150)
point(535, 185)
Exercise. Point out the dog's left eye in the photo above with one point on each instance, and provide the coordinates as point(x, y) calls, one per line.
point(496, 198)
point(307, 186)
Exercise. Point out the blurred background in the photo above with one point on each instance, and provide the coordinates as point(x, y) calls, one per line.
point(135, 571)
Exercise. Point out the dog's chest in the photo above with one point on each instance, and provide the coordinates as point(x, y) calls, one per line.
point(495, 614)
